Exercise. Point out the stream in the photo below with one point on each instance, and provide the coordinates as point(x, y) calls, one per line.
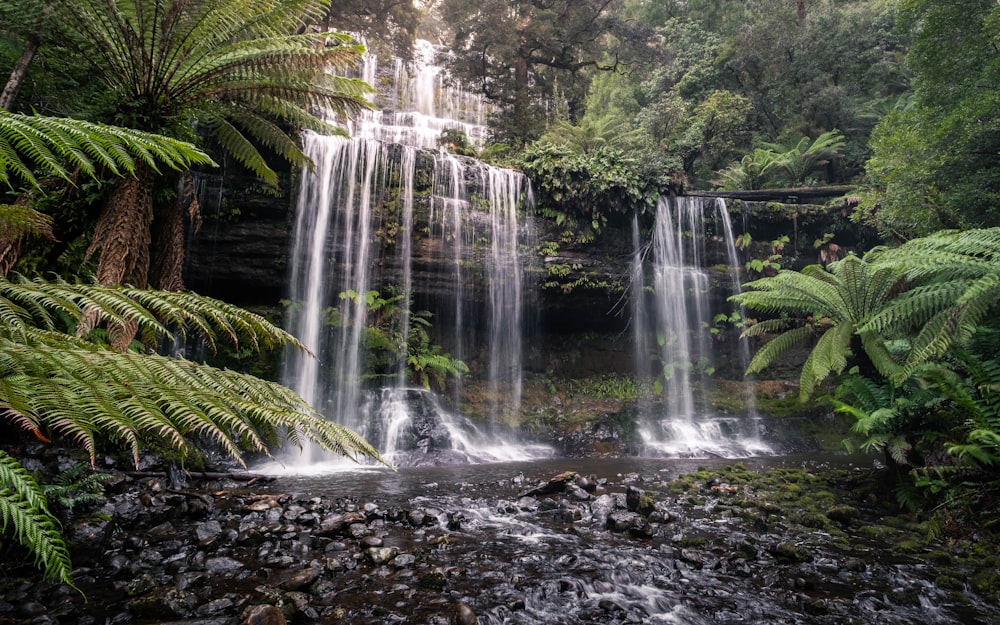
point(552, 541)
point(556, 558)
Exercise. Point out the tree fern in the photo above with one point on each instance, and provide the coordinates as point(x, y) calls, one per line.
point(832, 303)
point(958, 278)
point(57, 385)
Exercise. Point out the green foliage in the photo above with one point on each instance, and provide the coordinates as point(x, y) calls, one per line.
point(937, 163)
point(76, 486)
point(590, 186)
point(233, 66)
point(394, 336)
point(828, 304)
point(56, 384)
point(25, 513)
point(957, 285)
point(774, 164)
point(456, 142)
point(59, 146)
point(754, 171)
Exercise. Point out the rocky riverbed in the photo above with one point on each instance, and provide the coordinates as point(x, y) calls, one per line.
point(790, 541)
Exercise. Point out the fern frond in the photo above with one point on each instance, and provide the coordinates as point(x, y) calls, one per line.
point(829, 356)
point(24, 512)
point(777, 347)
point(57, 145)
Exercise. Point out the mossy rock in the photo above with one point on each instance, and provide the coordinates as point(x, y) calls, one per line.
point(789, 552)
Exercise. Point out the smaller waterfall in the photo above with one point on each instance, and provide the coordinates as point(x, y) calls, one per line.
point(673, 313)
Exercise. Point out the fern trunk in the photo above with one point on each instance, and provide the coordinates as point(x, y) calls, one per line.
point(122, 236)
point(168, 253)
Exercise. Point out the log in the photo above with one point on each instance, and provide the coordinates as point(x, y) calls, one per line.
point(208, 475)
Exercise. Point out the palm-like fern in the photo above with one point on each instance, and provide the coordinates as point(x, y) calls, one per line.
point(958, 273)
point(798, 160)
point(830, 304)
point(55, 383)
point(242, 71)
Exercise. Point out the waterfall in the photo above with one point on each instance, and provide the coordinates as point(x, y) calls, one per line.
point(673, 317)
point(352, 259)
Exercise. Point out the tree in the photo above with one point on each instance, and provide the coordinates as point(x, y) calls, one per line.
point(387, 26)
point(936, 164)
point(235, 69)
point(517, 54)
point(67, 149)
point(803, 156)
point(832, 306)
point(59, 377)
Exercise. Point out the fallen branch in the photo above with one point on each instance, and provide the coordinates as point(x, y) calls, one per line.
point(208, 475)
point(208, 502)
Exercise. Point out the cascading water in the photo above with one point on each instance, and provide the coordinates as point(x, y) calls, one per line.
point(672, 317)
point(341, 246)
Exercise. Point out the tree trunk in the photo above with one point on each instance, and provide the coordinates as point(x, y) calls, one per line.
point(17, 74)
point(122, 240)
point(168, 253)
point(122, 235)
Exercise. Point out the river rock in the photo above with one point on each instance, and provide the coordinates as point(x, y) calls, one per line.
point(464, 616)
point(381, 555)
point(166, 603)
point(632, 523)
point(264, 615)
point(222, 565)
point(301, 579)
point(555, 484)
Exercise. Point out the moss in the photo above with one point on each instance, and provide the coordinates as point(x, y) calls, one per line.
point(910, 545)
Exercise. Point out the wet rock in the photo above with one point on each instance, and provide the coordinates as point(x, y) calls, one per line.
point(216, 606)
point(416, 517)
point(264, 615)
point(208, 532)
point(166, 603)
point(556, 484)
point(434, 580)
point(300, 579)
point(691, 557)
point(637, 500)
point(842, 514)
point(337, 524)
point(404, 560)
point(464, 615)
point(222, 565)
point(455, 520)
point(381, 555)
point(357, 530)
point(789, 552)
point(631, 523)
point(577, 493)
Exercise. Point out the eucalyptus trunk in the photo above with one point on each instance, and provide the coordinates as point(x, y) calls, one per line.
point(17, 74)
